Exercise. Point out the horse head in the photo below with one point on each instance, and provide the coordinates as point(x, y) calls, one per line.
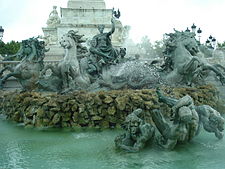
point(71, 39)
point(190, 43)
point(185, 39)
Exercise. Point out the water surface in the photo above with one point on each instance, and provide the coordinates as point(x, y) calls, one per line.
point(62, 149)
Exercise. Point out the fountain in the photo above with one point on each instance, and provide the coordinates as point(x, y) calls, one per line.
point(158, 106)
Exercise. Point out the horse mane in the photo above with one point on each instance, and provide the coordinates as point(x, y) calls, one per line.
point(174, 38)
point(78, 40)
point(171, 42)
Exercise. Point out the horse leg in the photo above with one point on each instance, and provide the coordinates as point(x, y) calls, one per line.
point(220, 66)
point(2, 71)
point(192, 64)
point(45, 69)
point(6, 68)
point(2, 81)
point(216, 71)
point(65, 79)
point(82, 81)
point(191, 70)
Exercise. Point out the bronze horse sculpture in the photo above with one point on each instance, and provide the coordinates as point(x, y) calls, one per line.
point(66, 75)
point(183, 62)
point(27, 71)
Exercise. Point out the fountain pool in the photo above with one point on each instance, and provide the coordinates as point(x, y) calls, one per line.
point(64, 149)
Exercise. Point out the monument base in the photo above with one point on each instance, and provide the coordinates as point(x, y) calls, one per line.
point(56, 53)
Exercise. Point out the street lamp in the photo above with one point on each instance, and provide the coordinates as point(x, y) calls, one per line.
point(187, 30)
point(199, 31)
point(207, 42)
point(214, 42)
point(1, 32)
point(193, 28)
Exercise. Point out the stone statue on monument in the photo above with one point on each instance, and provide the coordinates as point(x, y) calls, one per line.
point(54, 18)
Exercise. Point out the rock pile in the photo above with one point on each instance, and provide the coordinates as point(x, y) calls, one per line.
point(104, 109)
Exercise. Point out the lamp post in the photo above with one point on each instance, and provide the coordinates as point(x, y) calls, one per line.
point(193, 28)
point(210, 37)
point(214, 43)
point(1, 32)
point(207, 42)
point(199, 31)
point(211, 42)
point(187, 30)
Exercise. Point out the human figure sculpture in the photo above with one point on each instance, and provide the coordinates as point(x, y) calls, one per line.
point(101, 45)
point(137, 134)
point(186, 120)
point(54, 18)
point(211, 120)
point(182, 128)
point(121, 58)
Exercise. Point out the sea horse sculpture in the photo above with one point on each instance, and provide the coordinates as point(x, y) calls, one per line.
point(183, 63)
point(27, 71)
point(66, 73)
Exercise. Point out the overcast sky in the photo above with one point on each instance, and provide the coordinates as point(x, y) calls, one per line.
point(22, 19)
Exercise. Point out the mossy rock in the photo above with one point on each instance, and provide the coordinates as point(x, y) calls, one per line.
point(100, 109)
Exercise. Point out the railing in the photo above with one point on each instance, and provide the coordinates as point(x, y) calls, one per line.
point(13, 63)
point(6, 63)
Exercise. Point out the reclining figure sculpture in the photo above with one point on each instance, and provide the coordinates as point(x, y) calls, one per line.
point(137, 134)
point(182, 128)
point(187, 120)
point(183, 125)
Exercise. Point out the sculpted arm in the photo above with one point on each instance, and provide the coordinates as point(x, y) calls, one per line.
point(124, 142)
point(133, 149)
point(184, 101)
point(147, 132)
point(212, 120)
point(113, 27)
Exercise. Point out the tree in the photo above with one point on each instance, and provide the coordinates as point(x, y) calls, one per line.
point(9, 48)
point(159, 48)
point(221, 45)
point(145, 47)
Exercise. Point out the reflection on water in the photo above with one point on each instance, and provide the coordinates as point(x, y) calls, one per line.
point(60, 149)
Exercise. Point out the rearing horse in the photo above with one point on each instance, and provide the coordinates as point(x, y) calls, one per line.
point(28, 70)
point(68, 70)
point(186, 66)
